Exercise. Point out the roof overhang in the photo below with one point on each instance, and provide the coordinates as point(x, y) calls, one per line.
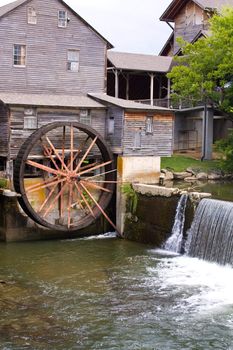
point(40, 100)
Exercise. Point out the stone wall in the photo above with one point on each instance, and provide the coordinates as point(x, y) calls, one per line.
point(152, 219)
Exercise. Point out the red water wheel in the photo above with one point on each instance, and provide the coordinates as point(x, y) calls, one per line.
point(64, 173)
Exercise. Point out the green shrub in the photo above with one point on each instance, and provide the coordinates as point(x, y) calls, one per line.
point(225, 147)
point(3, 183)
point(132, 197)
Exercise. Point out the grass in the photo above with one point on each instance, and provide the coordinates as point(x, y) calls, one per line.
point(180, 163)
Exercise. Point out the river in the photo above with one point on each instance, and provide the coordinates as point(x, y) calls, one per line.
point(107, 293)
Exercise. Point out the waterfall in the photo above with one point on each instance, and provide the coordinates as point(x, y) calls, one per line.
point(211, 234)
point(174, 242)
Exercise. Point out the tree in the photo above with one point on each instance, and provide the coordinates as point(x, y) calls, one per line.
point(204, 72)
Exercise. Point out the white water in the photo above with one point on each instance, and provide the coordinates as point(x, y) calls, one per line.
point(174, 242)
point(204, 287)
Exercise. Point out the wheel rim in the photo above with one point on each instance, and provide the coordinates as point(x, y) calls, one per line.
point(73, 176)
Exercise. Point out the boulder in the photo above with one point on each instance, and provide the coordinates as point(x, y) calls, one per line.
point(202, 176)
point(181, 176)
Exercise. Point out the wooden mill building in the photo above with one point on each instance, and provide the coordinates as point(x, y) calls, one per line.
point(54, 68)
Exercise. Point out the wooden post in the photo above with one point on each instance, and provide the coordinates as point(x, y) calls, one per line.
point(116, 83)
point(152, 88)
point(127, 86)
point(168, 92)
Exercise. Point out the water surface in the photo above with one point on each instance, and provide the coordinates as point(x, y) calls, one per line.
point(111, 294)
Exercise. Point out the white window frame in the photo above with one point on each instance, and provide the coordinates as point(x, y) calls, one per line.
point(30, 121)
point(62, 21)
point(149, 127)
point(73, 62)
point(31, 15)
point(19, 57)
point(85, 116)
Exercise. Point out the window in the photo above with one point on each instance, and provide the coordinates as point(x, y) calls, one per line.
point(111, 125)
point(62, 19)
point(73, 60)
point(32, 15)
point(19, 55)
point(85, 116)
point(30, 118)
point(149, 125)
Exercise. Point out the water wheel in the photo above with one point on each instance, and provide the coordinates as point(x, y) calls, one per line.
point(64, 173)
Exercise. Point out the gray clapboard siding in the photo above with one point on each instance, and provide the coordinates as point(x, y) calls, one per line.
point(115, 139)
point(159, 143)
point(45, 116)
point(47, 45)
point(4, 133)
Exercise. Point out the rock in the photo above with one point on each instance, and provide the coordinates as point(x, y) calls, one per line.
point(202, 176)
point(168, 176)
point(181, 176)
point(153, 190)
point(191, 171)
point(214, 176)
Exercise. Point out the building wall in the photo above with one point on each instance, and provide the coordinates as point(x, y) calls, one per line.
point(188, 130)
point(18, 134)
point(47, 45)
point(137, 142)
point(190, 20)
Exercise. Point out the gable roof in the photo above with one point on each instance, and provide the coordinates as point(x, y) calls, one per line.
point(139, 62)
point(176, 5)
point(4, 10)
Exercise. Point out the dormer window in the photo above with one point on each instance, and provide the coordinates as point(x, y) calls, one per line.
point(31, 12)
point(62, 19)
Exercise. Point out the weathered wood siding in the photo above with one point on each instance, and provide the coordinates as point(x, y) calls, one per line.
point(47, 45)
point(157, 143)
point(4, 132)
point(115, 139)
point(45, 116)
point(188, 23)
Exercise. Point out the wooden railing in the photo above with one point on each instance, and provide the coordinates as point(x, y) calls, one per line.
point(168, 103)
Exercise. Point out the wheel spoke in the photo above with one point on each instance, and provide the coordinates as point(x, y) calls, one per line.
point(47, 185)
point(55, 200)
point(100, 208)
point(49, 155)
point(70, 203)
point(84, 199)
point(71, 147)
point(95, 168)
point(92, 185)
point(63, 144)
point(85, 155)
point(106, 172)
point(47, 198)
point(41, 184)
point(45, 168)
point(57, 154)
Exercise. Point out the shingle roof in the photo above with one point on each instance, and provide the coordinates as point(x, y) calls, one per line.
point(126, 104)
point(49, 100)
point(139, 62)
point(4, 10)
point(176, 5)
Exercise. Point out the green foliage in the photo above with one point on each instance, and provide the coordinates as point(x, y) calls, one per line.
point(225, 147)
point(3, 183)
point(205, 69)
point(132, 197)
